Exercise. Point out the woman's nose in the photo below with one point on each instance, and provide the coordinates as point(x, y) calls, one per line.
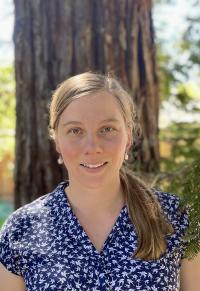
point(92, 144)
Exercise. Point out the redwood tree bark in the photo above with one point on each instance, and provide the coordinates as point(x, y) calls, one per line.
point(55, 39)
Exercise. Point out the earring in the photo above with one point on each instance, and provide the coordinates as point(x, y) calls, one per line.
point(60, 160)
point(126, 156)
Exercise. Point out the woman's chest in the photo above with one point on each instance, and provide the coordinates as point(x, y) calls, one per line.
point(61, 256)
point(75, 265)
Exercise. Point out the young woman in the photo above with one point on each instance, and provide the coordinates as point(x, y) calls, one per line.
point(103, 229)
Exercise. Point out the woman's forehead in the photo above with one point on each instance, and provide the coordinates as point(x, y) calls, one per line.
point(99, 120)
point(98, 103)
point(93, 109)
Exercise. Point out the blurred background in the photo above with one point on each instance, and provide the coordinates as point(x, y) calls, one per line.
point(177, 41)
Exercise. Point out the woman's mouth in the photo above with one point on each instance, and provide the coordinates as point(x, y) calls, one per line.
point(94, 167)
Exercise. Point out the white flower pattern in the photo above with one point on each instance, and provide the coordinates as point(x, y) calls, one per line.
point(44, 242)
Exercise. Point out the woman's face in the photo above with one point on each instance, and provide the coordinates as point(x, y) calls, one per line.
point(92, 138)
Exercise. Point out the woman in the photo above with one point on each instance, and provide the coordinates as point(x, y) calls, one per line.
point(103, 229)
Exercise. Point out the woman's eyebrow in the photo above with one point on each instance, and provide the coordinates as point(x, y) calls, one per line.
point(78, 122)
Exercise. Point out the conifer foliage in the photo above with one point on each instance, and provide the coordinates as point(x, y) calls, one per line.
point(191, 199)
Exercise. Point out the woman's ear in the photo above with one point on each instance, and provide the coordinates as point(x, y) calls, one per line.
point(57, 144)
point(130, 137)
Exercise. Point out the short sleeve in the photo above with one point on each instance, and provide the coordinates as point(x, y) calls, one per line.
point(178, 217)
point(9, 256)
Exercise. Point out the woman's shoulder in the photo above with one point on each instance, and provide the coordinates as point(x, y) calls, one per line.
point(27, 211)
point(30, 212)
point(169, 201)
point(174, 209)
point(18, 230)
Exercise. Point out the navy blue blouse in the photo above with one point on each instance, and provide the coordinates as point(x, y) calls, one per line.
point(44, 242)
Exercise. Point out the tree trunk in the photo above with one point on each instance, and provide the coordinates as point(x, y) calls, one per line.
point(55, 39)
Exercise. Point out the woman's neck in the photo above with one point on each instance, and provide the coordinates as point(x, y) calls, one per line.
point(96, 201)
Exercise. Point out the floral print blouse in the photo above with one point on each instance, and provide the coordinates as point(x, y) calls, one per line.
point(44, 243)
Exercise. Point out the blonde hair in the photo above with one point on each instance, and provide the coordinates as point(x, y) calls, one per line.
point(143, 207)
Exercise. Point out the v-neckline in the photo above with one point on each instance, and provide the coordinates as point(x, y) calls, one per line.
point(115, 227)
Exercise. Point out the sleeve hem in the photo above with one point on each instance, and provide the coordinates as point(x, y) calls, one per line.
point(9, 268)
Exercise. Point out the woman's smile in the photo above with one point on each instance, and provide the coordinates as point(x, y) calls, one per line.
point(96, 168)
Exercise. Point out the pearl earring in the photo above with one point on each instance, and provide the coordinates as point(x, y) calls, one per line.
point(60, 160)
point(126, 156)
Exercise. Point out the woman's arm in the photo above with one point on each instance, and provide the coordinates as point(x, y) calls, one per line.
point(10, 281)
point(190, 274)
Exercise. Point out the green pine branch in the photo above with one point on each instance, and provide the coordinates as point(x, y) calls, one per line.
point(191, 200)
point(185, 182)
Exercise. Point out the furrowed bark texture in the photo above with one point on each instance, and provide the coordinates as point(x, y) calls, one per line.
point(55, 39)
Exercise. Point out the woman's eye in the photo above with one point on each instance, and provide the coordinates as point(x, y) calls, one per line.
point(108, 129)
point(77, 131)
point(74, 130)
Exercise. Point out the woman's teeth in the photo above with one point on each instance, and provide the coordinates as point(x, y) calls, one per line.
point(93, 166)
